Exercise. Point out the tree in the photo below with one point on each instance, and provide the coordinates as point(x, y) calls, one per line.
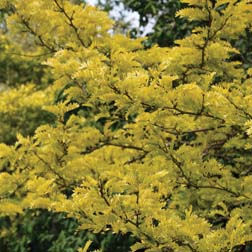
point(154, 143)
point(167, 27)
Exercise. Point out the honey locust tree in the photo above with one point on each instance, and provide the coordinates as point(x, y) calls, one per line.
point(154, 143)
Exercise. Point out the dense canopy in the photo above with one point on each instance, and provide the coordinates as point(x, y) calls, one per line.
point(152, 142)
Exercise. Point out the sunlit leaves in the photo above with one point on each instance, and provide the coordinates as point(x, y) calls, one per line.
point(153, 142)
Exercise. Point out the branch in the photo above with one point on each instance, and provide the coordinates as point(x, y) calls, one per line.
point(42, 42)
point(240, 109)
point(29, 55)
point(203, 53)
point(50, 168)
point(123, 146)
point(70, 22)
point(197, 114)
point(179, 165)
point(177, 133)
point(107, 143)
point(137, 158)
point(125, 220)
point(182, 112)
point(221, 27)
point(218, 143)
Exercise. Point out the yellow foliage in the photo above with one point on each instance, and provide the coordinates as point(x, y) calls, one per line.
point(153, 142)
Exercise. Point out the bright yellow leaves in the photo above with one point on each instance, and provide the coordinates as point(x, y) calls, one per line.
point(21, 97)
point(193, 13)
point(190, 96)
point(5, 150)
point(61, 108)
point(82, 24)
point(140, 136)
point(85, 249)
point(9, 208)
point(9, 184)
point(41, 193)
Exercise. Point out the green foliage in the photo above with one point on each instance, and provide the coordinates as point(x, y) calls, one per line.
point(16, 70)
point(151, 145)
point(167, 27)
point(40, 230)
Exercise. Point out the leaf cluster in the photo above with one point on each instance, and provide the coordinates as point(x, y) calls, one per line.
point(154, 143)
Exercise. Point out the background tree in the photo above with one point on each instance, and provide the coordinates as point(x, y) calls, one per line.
point(168, 27)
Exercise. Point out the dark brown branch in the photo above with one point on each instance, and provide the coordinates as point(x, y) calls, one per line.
point(123, 146)
point(189, 182)
point(207, 39)
point(137, 158)
point(39, 37)
point(180, 167)
point(126, 220)
point(70, 22)
point(197, 114)
point(221, 27)
point(118, 91)
point(214, 145)
point(221, 188)
point(137, 212)
point(107, 143)
point(177, 133)
point(48, 165)
point(92, 149)
point(240, 109)
point(101, 191)
point(246, 173)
